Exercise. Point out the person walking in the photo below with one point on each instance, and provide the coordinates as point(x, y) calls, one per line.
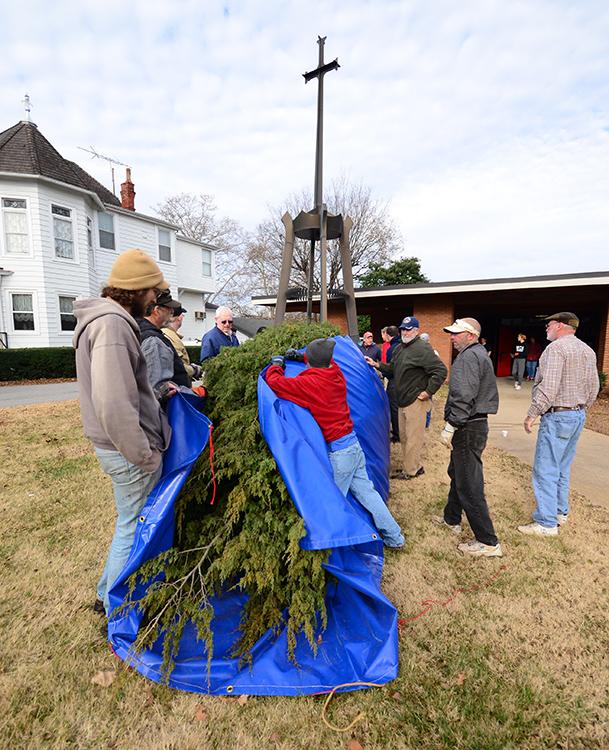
point(533, 355)
point(566, 386)
point(472, 395)
point(322, 389)
point(120, 414)
point(418, 373)
point(519, 358)
point(393, 333)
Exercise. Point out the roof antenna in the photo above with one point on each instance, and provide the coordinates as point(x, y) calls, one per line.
point(95, 155)
point(28, 107)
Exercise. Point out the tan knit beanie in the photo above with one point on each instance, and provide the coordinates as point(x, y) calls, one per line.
point(134, 269)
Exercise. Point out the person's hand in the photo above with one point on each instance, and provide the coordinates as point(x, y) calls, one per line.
point(168, 390)
point(423, 396)
point(371, 362)
point(528, 424)
point(294, 355)
point(196, 371)
point(446, 436)
point(278, 360)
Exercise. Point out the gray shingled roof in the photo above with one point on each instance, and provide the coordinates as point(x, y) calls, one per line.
point(24, 150)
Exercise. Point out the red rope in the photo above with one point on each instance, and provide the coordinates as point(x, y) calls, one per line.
point(211, 463)
point(429, 603)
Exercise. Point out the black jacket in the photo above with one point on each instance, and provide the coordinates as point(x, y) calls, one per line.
point(414, 367)
point(472, 388)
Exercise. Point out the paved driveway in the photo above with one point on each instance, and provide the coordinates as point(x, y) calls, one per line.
point(590, 469)
point(20, 395)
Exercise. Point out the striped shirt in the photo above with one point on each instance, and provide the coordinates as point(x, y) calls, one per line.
point(567, 376)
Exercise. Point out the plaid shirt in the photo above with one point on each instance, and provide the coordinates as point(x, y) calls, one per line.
point(567, 376)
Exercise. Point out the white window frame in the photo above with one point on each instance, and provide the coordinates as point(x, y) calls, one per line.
point(171, 245)
point(68, 296)
point(203, 263)
point(114, 233)
point(33, 295)
point(90, 232)
point(70, 220)
point(26, 212)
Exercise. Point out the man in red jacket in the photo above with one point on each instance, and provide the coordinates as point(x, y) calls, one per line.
point(322, 389)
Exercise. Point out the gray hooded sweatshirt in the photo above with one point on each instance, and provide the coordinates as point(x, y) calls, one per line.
point(119, 410)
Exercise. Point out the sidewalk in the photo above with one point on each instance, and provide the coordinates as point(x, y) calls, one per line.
point(590, 469)
point(21, 395)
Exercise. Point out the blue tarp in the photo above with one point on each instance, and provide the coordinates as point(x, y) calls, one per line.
point(360, 641)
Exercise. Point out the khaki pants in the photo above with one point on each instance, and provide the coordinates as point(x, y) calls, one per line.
point(412, 434)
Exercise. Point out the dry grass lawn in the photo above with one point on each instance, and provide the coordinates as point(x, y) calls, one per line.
point(521, 661)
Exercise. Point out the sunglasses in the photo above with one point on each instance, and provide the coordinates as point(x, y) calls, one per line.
point(224, 322)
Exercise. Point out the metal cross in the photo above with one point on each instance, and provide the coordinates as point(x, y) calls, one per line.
point(319, 73)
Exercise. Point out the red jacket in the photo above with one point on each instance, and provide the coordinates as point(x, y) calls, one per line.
point(321, 390)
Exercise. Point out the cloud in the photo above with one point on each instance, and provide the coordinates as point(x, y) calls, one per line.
point(484, 124)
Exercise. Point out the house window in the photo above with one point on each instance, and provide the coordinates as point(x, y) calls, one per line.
point(14, 213)
point(23, 312)
point(164, 245)
point(90, 242)
point(106, 230)
point(206, 257)
point(66, 313)
point(62, 232)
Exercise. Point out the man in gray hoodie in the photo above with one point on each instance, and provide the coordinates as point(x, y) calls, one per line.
point(120, 413)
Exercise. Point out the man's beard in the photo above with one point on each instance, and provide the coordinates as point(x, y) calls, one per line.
point(138, 309)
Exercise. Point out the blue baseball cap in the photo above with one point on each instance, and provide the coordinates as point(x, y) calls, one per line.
point(409, 323)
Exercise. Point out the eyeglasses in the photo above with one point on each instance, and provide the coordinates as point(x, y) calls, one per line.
point(224, 322)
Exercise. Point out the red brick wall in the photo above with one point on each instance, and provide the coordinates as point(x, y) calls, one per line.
point(338, 318)
point(435, 312)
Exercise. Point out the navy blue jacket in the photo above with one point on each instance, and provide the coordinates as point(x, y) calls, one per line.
point(214, 340)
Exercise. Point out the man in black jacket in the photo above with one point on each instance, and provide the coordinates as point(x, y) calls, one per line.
point(472, 395)
point(418, 373)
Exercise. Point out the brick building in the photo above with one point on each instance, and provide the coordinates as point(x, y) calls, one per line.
point(504, 307)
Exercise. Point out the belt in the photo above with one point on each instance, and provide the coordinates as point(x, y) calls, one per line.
point(565, 408)
point(477, 417)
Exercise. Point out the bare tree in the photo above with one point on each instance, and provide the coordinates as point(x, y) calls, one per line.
point(374, 238)
point(196, 216)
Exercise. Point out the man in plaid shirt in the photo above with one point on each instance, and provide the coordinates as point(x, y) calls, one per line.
point(566, 385)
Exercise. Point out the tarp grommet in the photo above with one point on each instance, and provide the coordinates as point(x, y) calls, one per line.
point(142, 519)
point(375, 536)
point(230, 688)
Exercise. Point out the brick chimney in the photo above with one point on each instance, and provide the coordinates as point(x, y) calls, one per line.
point(128, 192)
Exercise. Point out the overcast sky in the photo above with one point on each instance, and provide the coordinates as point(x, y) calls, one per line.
point(484, 123)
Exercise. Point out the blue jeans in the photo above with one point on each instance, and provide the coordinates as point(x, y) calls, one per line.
point(555, 450)
point(131, 488)
point(349, 467)
point(531, 368)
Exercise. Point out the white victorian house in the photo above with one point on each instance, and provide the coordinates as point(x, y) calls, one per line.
point(60, 231)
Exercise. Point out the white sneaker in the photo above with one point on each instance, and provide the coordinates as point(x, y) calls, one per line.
point(536, 529)
point(439, 521)
point(477, 549)
point(516, 386)
point(562, 519)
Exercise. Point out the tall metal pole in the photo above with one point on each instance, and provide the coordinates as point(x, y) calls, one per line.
point(319, 141)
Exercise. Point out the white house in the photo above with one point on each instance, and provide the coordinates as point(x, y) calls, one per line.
point(60, 231)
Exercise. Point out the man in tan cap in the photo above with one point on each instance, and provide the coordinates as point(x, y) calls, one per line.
point(120, 413)
point(566, 385)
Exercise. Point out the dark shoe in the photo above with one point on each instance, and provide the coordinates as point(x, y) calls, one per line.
point(98, 607)
point(419, 473)
point(402, 475)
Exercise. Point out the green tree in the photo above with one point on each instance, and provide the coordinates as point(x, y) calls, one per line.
point(404, 271)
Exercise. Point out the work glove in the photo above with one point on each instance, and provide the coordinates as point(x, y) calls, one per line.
point(446, 436)
point(294, 355)
point(196, 374)
point(278, 360)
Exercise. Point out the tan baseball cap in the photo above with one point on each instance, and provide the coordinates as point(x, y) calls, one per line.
point(134, 269)
point(461, 326)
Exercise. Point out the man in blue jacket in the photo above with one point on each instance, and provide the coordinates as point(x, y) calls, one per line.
point(220, 335)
